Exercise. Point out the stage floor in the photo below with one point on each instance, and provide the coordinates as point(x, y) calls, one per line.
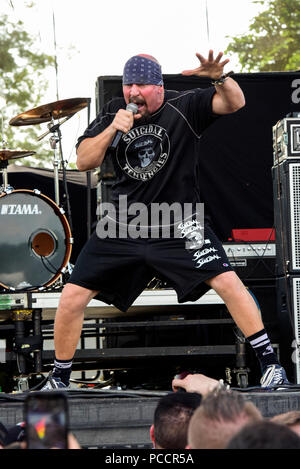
point(122, 419)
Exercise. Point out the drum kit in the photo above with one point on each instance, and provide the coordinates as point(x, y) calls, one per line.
point(35, 235)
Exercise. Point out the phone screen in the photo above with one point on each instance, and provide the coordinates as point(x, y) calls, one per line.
point(46, 417)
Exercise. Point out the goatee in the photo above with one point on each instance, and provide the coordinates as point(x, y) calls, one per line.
point(145, 119)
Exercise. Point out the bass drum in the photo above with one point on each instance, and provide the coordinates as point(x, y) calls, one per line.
point(35, 241)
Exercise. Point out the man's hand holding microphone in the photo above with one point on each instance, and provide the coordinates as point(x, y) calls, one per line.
point(123, 122)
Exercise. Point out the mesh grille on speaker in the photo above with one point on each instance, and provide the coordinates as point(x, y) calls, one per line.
point(295, 213)
point(296, 315)
point(297, 306)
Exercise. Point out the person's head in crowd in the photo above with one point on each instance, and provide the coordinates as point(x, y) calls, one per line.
point(11, 435)
point(171, 419)
point(21, 443)
point(221, 415)
point(265, 435)
point(3, 433)
point(291, 419)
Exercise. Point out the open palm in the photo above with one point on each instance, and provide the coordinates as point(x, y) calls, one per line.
point(209, 67)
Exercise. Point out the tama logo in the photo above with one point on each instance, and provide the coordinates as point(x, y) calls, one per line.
point(20, 209)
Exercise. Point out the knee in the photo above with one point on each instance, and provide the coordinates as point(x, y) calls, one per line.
point(227, 283)
point(74, 298)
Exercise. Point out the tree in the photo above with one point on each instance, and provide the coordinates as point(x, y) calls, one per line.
point(273, 43)
point(22, 84)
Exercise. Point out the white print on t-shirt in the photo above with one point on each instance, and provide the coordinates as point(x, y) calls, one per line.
point(147, 151)
point(146, 155)
point(145, 143)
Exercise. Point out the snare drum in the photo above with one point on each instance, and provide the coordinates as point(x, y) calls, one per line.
point(35, 240)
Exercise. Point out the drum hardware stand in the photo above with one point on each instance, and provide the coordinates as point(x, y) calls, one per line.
point(241, 371)
point(54, 139)
point(3, 168)
point(25, 345)
point(3, 163)
point(228, 377)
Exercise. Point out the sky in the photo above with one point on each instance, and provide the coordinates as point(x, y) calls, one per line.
point(93, 38)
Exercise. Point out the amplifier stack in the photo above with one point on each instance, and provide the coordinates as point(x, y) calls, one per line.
point(286, 189)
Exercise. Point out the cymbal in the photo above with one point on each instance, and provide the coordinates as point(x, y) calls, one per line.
point(47, 112)
point(14, 154)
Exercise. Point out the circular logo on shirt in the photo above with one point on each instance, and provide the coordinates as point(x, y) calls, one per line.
point(146, 152)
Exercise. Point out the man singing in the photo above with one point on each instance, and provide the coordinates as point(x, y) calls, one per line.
point(156, 162)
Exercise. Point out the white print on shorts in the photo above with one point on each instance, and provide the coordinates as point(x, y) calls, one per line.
point(205, 260)
point(202, 253)
point(199, 258)
point(192, 230)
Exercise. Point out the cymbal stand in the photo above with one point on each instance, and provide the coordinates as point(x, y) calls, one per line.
point(3, 168)
point(54, 140)
point(3, 163)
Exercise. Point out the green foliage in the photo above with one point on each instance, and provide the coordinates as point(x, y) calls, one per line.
point(273, 43)
point(22, 84)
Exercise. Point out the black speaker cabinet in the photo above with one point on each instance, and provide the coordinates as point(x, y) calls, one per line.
point(288, 299)
point(286, 189)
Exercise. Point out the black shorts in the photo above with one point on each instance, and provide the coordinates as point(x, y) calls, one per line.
point(120, 269)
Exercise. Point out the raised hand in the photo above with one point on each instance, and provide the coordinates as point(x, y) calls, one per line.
point(209, 67)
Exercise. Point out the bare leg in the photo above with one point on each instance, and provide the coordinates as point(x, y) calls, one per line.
point(239, 302)
point(69, 318)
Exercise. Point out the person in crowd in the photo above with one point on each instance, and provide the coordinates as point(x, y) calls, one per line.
point(265, 435)
point(291, 419)
point(21, 443)
point(220, 416)
point(197, 382)
point(12, 435)
point(3, 433)
point(171, 419)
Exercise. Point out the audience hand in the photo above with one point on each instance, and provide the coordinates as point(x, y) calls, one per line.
point(195, 383)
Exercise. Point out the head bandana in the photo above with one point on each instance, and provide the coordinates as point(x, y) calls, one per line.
point(141, 70)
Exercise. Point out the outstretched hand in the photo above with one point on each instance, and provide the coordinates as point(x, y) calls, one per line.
point(209, 67)
point(195, 383)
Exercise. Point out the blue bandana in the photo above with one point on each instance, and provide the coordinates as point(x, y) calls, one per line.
point(141, 70)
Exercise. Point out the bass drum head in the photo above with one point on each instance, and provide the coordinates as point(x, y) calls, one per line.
point(35, 240)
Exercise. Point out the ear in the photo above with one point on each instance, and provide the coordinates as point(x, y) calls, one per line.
point(152, 434)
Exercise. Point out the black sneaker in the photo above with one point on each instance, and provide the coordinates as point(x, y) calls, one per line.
point(53, 383)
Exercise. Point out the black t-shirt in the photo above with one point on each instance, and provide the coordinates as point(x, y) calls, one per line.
point(157, 161)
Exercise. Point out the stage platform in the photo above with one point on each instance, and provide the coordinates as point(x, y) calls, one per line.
point(121, 419)
point(156, 333)
point(148, 300)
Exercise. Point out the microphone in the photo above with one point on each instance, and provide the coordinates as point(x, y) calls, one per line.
point(132, 107)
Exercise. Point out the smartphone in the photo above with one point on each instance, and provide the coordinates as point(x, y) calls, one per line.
point(46, 420)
